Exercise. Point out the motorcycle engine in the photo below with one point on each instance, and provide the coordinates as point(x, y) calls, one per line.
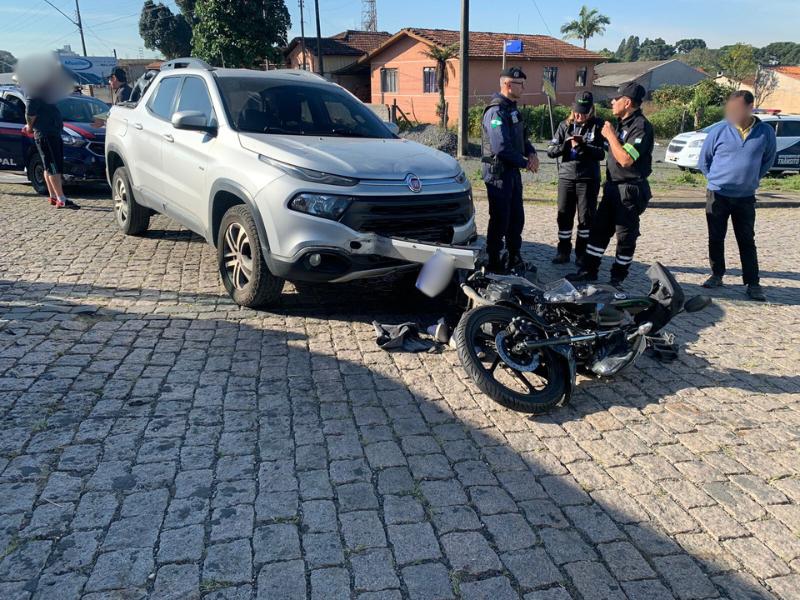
point(497, 291)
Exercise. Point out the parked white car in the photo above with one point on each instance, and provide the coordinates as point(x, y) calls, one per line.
point(684, 149)
point(288, 175)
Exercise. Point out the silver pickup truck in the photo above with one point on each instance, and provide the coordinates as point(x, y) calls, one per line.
point(289, 176)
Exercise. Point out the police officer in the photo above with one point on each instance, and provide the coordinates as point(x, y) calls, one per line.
point(578, 142)
point(505, 150)
point(626, 191)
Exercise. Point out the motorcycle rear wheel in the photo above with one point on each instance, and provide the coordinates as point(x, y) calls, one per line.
point(532, 392)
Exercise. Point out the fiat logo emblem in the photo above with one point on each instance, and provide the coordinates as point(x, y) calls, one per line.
point(414, 183)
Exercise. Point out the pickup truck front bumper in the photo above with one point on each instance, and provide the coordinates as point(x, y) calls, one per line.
point(369, 255)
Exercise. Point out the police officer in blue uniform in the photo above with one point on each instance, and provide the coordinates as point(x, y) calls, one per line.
point(626, 192)
point(505, 150)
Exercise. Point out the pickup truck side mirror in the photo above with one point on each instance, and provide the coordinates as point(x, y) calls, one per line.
point(193, 120)
point(392, 127)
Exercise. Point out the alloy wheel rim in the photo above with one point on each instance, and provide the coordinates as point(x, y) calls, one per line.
point(238, 256)
point(121, 201)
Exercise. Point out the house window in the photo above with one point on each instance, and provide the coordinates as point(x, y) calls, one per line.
point(388, 80)
point(551, 75)
point(429, 80)
point(580, 81)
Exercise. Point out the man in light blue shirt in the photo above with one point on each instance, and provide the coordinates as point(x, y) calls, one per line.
point(734, 158)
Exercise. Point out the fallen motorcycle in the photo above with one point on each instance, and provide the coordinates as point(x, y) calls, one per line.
point(523, 343)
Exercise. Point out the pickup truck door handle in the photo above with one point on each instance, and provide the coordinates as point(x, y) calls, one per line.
point(137, 126)
point(169, 137)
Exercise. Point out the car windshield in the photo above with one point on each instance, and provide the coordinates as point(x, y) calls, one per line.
point(269, 105)
point(81, 110)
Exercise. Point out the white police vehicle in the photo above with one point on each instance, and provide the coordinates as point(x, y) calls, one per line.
point(684, 149)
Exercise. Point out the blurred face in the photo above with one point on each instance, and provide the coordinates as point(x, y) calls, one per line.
point(621, 106)
point(580, 117)
point(512, 88)
point(738, 112)
point(114, 82)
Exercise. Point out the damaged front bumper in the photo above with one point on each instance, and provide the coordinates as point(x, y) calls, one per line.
point(369, 255)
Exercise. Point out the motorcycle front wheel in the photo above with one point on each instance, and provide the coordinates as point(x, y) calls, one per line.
point(533, 391)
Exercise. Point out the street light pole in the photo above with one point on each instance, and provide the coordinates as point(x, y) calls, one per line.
point(80, 25)
point(319, 40)
point(463, 58)
point(303, 37)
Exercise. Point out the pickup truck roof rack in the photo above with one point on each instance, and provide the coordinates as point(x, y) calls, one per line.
point(186, 63)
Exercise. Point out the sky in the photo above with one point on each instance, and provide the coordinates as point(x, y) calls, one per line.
point(31, 25)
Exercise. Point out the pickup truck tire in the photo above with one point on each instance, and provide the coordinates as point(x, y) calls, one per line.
point(36, 174)
point(132, 218)
point(242, 267)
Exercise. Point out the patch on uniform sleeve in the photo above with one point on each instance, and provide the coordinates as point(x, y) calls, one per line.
point(637, 141)
point(633, 152)
point(496, 123)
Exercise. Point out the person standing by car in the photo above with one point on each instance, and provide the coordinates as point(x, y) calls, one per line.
point(626, 191)
point(505, 150)
point(118, 80)
point(578, 142)
point(734, 158)
point(44, 120)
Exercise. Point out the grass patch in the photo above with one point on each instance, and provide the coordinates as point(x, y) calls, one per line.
point(787, 183)
point(212, 585)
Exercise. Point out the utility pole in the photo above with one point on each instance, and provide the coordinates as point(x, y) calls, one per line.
point(303, 37)
point(80, 25)
point(463, 58)
point(319, 40)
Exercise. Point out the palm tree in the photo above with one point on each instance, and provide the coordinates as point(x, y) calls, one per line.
point(441, 54)
point(589, 24)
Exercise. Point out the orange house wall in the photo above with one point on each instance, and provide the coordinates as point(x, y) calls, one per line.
point(407, 56)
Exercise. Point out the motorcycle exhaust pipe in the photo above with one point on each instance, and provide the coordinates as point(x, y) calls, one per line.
point(477, 299)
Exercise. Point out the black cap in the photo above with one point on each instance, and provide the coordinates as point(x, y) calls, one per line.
point(584, 101)
point(513, 72)
point(119, 73)
point(631, 90)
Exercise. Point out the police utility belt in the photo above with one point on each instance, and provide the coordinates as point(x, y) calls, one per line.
point(496, 166)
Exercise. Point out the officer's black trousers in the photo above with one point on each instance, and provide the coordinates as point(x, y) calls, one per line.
point(506, 215)
point(619, 212)
point(580, 196)
point(742, 212)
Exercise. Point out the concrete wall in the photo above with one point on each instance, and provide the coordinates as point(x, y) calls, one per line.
point(407, 56)
point(786, 96)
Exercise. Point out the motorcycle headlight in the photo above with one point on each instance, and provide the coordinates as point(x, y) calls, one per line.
point(309, 174)
point(321, 205)
point(70, 138)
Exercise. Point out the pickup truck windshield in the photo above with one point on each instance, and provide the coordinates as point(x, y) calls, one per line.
point(81, 109)
point(261, 105)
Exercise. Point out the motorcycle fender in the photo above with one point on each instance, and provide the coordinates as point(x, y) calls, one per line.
point(572, 368)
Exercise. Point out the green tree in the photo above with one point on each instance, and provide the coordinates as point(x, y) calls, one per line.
point(240, 33)
point(779, 53)
point(687, 45)
point(738, 62)
point(608, 55)
point(628, 50)
point(7, 62)
point(170, 34)
point(656, 49)
point(588, 24)
point(441, 55)
point(703, 58)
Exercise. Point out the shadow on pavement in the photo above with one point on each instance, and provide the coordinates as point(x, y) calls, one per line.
point(279, 438)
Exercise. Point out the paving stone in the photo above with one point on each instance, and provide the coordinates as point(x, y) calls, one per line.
point(532, 568)
point(402, 509)
point(230, 562)
point(356, 496)
point(625, 561)
point(413, 542)
point(128, 568)
point(786, 588)
point(470, 552)
point(322, 549)
point(75, 551)
point(443, 493)
point(510, 531)
point(373, 570)
point(593, 581)
point(565, 545)
point(24, 560)
point(647, 589)
point(177, 582)
point(498, 588)
point(282, 580)
point(231, 523)
point(276, 542)
point(454, 518)
point(362, 529)
point(756, 557)
point(684, 577)
point(429, 581)
point(181, 545)
point(330, 584)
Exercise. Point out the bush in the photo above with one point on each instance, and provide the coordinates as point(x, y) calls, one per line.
point(536, 118)
point(712, 115)
point(669, 122)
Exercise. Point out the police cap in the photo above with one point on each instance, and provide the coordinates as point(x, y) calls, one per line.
point(583, 103)
point(513, 72)
point(631, 90)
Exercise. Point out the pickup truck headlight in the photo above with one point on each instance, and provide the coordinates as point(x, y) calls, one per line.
point(70, 138)
point(461, 177)
point(309, 174)
point(321, 205)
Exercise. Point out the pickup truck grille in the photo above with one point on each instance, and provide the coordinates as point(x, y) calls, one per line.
point(427, 218)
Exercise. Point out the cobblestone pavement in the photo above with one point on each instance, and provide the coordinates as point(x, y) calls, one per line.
point(157, 441)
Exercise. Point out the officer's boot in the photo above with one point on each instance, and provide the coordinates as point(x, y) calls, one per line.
point(496, 263)
point(580, 251)
point(515, 263)
point(588, 272)
point(563, 251)
point(618, 274)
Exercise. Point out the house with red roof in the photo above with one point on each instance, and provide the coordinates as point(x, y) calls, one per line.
point(400, 72)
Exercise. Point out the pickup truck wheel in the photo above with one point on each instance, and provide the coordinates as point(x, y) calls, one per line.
point(132, 218)
point(36, 174)
point(242, 267)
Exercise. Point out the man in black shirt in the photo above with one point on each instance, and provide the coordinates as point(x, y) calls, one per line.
point(118, 80)
point(626, 191)
point(44, 120)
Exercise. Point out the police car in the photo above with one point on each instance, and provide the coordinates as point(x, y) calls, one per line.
point(684, 149)
point(84, 143)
